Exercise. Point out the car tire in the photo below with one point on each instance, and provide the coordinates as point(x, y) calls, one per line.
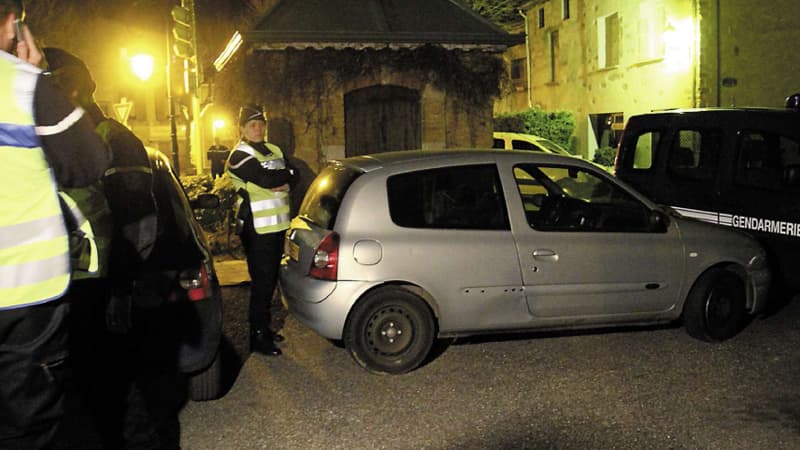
point(207, 384)
point(390, 331)
point(715, 308)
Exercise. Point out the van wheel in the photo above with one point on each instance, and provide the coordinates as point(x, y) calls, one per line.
point(389, 331)
point(715, 308)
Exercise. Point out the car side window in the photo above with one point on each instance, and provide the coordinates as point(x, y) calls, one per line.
point(693, 154)
point(464, 197)
point(517, 144)
point(561, 198)
point(498, 143)
point(768, 160)
point(644, 150)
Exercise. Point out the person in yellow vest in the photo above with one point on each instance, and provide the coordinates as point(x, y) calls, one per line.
point(119, 374)
point(261, 177)
point(45, 141)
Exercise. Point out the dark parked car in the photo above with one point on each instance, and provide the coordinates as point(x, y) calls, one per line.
point(179, 278)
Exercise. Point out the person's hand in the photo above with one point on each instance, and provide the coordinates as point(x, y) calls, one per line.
point(26, 48)
point(281, 188)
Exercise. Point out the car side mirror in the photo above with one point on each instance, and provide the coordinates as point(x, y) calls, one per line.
point(658, 221)
point(205, 201)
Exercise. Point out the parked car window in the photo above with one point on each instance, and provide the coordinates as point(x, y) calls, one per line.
point(322, 200)
point(694, 153)
point(498, 143)
point(463, 197)
point(559, 198)
point(644, 152)
point(517, 144)
point(768, 160)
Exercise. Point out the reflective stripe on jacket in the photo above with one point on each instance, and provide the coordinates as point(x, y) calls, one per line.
point(84, 251)
point(34, 252)
point(270, 209)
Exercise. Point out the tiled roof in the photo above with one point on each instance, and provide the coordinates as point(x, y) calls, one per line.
point(376, 24)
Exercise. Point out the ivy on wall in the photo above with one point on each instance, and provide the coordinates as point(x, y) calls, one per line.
point(282, 76)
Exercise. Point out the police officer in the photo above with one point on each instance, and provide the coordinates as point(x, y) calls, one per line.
point(116, 368)
point(44, 140)
point(261, 177)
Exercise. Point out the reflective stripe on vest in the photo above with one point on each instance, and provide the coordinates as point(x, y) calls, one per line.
point(90, 257)
point(34, 258)
point(271, 210)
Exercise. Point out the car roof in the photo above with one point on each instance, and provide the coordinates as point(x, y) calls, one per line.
point(367, 163)
point(512, 134)
point(721, 111)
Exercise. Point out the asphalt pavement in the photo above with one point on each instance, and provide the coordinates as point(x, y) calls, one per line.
point(624, 389)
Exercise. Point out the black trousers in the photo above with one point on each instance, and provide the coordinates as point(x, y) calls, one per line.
point(33, 353)
point(263, 260)
point(128, 382)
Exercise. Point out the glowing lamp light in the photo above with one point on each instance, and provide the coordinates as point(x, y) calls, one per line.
point(142, 66)
point(217, 124)
point(679, 40)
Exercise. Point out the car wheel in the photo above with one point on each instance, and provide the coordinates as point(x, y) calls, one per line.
point(715, 307)
point(390, 331)
point(207, 384)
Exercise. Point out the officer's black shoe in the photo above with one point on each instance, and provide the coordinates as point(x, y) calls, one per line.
point(261, 342)
point(277, 338)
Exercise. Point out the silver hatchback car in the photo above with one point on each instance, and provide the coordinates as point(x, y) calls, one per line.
point(392, 250)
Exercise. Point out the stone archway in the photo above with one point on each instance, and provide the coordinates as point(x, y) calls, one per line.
point(382, 118)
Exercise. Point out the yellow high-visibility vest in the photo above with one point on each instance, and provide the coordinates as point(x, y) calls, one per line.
point(270, 209)
point(34, 250)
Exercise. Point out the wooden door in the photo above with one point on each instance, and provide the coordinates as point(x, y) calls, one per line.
point(381, 119)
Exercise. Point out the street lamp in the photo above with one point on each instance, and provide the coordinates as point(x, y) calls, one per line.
point(142, 66)
point(216, 125)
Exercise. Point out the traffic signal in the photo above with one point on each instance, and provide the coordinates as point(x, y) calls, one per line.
point(182, 32)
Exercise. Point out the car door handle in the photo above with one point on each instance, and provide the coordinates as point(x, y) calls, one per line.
point(545, 254)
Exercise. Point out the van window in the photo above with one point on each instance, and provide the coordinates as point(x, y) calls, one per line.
point(465, 197)
point(694, 153)
point(768, 160)
point(644, 152)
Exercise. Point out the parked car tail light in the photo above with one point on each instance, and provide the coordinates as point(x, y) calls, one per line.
point(196, 283)
point(326, 259)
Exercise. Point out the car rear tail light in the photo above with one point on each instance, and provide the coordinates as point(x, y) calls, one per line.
point(196, 283)
point(325, 264)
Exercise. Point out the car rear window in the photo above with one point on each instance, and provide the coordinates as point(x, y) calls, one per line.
point(322, 200)
point(176, 245)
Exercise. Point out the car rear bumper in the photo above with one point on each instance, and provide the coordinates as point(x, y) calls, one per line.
point(327, 316)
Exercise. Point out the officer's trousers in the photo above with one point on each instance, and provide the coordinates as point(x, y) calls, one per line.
point(263, 260)
point(33, 353)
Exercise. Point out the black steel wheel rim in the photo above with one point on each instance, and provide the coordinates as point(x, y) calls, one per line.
point(389, 331)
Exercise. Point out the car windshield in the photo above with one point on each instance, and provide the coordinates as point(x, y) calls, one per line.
point(321, 203)
point(553, 147)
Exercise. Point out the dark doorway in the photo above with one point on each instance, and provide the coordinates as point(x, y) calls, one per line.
point(381, 119)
